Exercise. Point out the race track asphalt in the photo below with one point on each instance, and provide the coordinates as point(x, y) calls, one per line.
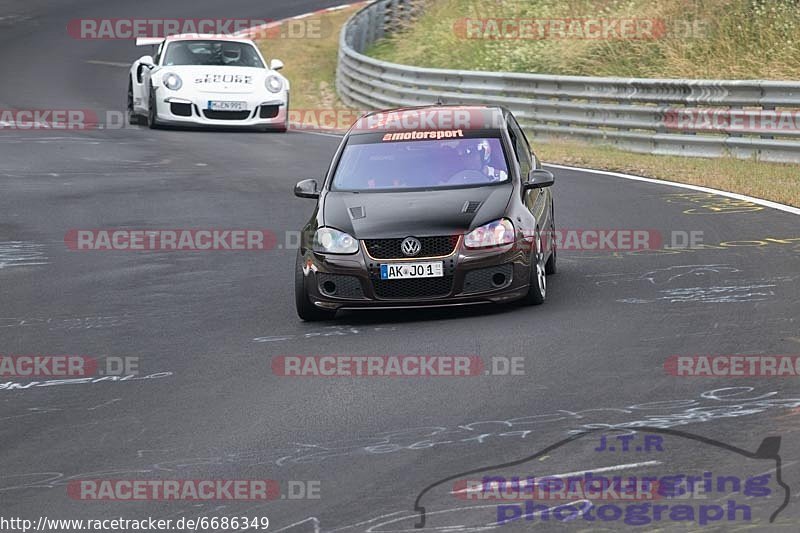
point(205, 326)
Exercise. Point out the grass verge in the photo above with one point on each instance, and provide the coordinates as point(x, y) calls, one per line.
point(716, 39)
point(310, 63)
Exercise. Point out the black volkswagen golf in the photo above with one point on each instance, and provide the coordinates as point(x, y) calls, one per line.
point(424, 207)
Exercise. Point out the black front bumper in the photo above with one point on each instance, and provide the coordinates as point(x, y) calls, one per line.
point(496, 275)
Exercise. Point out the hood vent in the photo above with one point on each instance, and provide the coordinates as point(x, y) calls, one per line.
point(471, 207)
point(357, 212)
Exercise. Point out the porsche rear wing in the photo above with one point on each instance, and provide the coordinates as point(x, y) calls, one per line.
point(149, 41)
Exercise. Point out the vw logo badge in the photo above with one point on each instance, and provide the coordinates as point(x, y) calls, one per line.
point(411, 246)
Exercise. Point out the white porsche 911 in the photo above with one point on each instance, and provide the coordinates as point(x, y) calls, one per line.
point(207, 80)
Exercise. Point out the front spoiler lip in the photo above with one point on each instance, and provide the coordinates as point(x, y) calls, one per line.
point(416, 306)
point(503, 296)
point(222, 124)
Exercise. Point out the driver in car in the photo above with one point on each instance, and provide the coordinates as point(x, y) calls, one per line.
point(232, 55)
point(477, 156)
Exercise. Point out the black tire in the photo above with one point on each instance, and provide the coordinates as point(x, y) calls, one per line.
point(537, 291)
point(152, 119)
point(133, 118)
point(306, 310)
point(550, 267)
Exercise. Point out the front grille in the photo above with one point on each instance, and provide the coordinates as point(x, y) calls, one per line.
point(483, 279)
point(268, 111)
point(412, 289)
point(226, 115)
point(180, 110)
point(340, 286)
point(431, 247)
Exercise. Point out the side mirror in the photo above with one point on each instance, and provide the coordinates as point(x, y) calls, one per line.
point(276, 64)
point(306, 189)
point(147, 61)
point(539, 178)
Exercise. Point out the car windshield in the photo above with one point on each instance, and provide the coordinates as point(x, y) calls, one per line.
point(419, 164)
point(215, 53)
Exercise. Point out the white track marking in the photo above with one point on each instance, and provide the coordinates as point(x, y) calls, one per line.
point(324, 134)
point(759, 201)
point(108, 63)
point(313, 519)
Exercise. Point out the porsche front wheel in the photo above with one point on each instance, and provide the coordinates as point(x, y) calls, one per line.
point(152, 113)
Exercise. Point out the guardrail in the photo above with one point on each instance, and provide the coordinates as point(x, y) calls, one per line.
point(707, 118)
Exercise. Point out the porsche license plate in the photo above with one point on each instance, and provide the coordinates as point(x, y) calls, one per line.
point(412, 270)
point(220, 105)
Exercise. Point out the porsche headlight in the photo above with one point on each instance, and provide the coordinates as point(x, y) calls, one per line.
point(333, 241)
point(172, 81)
point(492, 234)
point(274, 83)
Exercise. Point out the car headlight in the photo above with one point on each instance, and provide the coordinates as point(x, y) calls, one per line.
point(172, 81)
point(274, 83)
point(333, 241)
point(494, 233)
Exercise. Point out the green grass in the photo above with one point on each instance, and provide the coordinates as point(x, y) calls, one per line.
point(717, 39)
point(311, 62)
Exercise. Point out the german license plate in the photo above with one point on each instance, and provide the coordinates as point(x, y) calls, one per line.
point(219, 105)
point(412, 270)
